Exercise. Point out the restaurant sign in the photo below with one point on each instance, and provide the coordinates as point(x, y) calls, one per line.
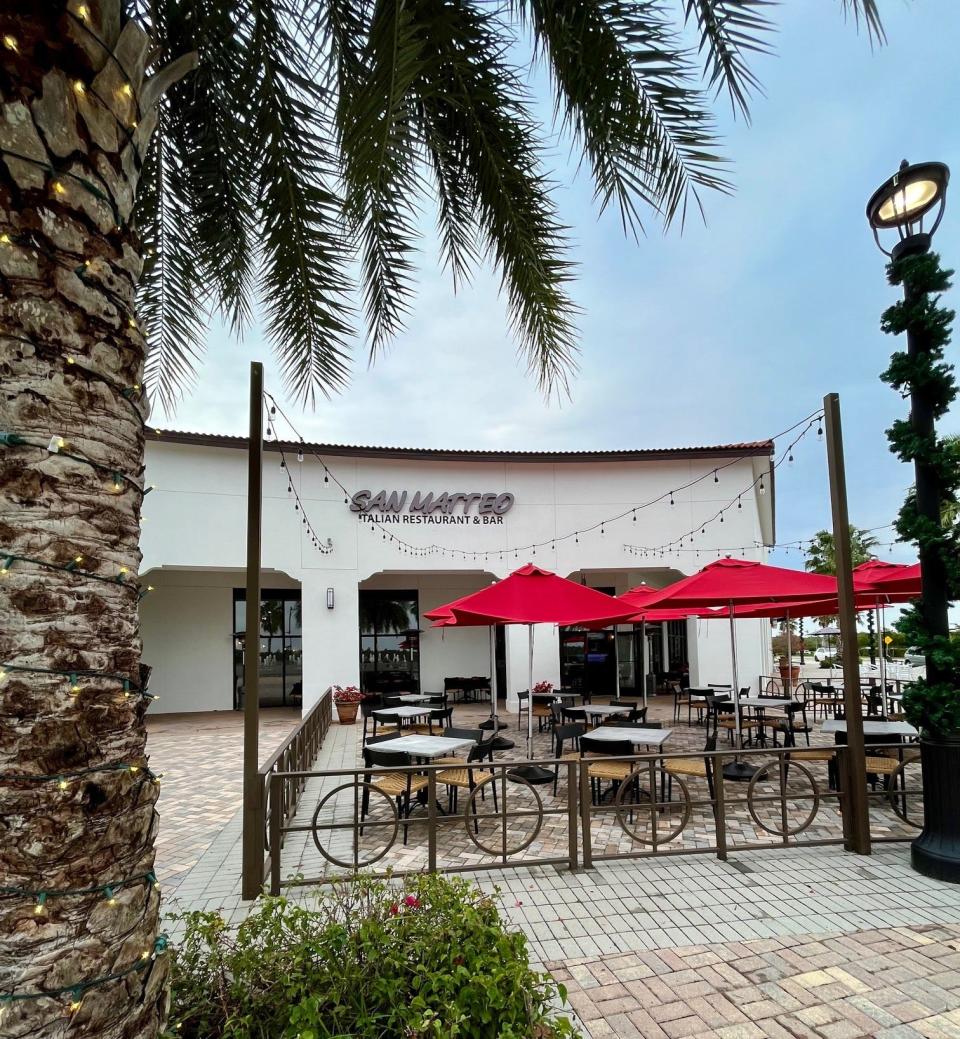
point(420, 507)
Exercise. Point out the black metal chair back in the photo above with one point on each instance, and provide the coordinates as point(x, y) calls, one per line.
point(610, 748)
point(576, 715)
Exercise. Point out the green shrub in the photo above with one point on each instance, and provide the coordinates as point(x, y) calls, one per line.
point(369, 960)
point(830, 662)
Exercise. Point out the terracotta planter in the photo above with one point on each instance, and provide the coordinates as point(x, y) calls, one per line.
point(347, 713)
point(936, 852)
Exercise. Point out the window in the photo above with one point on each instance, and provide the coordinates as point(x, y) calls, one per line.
point(281, 646)
point(389, 641)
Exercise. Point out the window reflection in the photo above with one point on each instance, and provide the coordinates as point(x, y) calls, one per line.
point(389, 641)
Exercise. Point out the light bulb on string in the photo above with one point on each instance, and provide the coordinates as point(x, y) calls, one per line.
point(10, 42)
point(716, 476)
point(762, 489)
point(40, 908)
point(671, 498)
point(300, 453)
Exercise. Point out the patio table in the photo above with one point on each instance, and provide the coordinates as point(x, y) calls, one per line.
point(599, 710)
point(401, 713)
point(617, 733)
point(426, 747)
point(413, 698)
point(871, 727)
point(767, 701)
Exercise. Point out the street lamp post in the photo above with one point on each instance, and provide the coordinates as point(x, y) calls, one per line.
point(916, 193)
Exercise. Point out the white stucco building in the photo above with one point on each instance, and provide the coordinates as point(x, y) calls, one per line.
point(433, 525)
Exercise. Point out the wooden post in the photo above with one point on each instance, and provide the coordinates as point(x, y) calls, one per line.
point(855, 803)
point(253, 821)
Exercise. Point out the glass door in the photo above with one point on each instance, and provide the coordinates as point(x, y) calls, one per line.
point(281, 646)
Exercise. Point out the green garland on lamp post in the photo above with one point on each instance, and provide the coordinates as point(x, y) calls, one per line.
point(932, 703)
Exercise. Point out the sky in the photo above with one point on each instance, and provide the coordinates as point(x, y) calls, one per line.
point(732, 330)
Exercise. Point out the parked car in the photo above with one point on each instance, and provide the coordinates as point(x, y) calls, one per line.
point(822, 653)
point(914, 657)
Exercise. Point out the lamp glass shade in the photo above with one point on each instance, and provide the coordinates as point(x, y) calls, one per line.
point(908, 195)
point(907, 201)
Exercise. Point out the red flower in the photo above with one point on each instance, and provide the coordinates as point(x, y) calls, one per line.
point(412, 902)
point(394, 909)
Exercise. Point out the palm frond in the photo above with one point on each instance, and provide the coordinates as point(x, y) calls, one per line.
point(731, 32)
point(629, 93)
point(171, 295)
point(376, 130)
point(303, 281)
point(212, 169)
point(468, 87)
point(866, 12)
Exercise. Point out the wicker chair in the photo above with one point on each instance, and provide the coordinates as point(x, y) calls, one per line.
point(600, 771)
point(464, 777)
point(692, 767)
point(400, 786)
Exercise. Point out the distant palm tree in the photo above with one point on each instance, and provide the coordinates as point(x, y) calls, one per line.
point(822, 553)
point(164, 160)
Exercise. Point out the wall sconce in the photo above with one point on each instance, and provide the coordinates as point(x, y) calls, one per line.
point(329, 598)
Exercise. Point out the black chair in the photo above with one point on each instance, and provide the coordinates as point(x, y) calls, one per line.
point(400, 786)
point(439, 716)
point(542, 702)
point(367, 707)
point(523, 704)
point(564, 734)
point(463, 777)
point(685, 767)
point(599, 771)
point(574, 716)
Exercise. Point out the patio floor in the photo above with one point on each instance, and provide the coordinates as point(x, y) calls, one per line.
point(201, 758)
point(803, 943)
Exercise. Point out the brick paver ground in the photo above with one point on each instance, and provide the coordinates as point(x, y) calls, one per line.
point(201, 758)
point(891, 983)
point(799, 943)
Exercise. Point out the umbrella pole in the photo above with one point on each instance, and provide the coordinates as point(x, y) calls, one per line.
point(493, 680)
point(530, 694)
point(643, 659)
point(616, 661)
point(738, 770)
point(883, 660)
point(789, 659)
point(531, 773)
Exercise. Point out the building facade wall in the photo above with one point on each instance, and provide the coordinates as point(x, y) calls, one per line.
point(194, 554)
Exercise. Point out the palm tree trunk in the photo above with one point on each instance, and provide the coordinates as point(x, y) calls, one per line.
point(74, 127)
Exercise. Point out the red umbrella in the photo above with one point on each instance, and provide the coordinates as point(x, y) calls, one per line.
point(740, 581)
point(531, 596)
point(733, 582)
point(889, 578)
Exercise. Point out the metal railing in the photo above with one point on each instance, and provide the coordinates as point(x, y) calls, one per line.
point(297, 752)
point(656, 810)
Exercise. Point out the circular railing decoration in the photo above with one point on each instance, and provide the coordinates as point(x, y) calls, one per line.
point(475, 822)
point(664, 820)
point(782, 797)
point(351, 806)
point(900, 796)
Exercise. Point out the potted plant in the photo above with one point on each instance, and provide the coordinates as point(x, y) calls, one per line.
point(347, 701)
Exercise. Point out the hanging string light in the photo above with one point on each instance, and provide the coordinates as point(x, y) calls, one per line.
point(600, 525)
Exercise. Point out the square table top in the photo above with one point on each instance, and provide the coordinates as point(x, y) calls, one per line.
point(616, 733)
point(426, 746)
point(605, 708)
point(767, 701)
point(557, 695)
point(412, 697)
point(871, 727)
point(402, 712)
